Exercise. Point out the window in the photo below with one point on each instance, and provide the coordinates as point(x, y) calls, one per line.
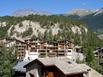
point(69, 50)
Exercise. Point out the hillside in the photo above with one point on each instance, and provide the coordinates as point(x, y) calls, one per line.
point(42, 27)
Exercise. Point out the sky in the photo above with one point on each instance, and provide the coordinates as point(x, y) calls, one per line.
point(7, 7)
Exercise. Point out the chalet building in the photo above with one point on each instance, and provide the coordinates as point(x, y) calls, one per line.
point(56, 67)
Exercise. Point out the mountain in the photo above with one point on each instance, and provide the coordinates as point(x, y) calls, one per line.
point(94, 19)
point(80, 12)
point(99, 12)
point(26, 12)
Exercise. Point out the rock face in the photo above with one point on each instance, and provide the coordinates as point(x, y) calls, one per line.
point(36, 28)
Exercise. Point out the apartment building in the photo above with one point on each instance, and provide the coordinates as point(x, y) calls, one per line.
point(44, 48)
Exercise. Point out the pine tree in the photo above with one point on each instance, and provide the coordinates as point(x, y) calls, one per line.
point(7, 58)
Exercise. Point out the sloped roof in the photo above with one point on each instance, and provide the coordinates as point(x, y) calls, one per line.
point(20, 66)
point(51, 61)
point(64, 64)
point(72, 68)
